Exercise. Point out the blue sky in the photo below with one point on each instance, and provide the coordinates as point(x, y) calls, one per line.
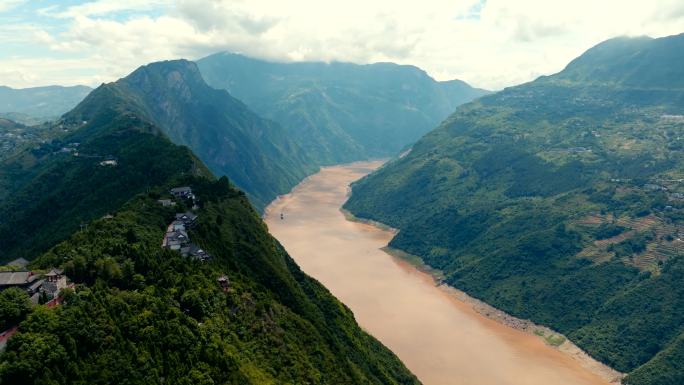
point(488, 43)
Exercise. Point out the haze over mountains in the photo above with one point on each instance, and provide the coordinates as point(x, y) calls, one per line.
point(340, 112)
point(560, 201)
point(32, 105)
point(321, 113)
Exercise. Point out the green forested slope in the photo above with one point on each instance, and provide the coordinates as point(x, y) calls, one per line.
point(340, 112)
point(141, 314)
point(561, 201)
point(144, 315)
point(46, 194)
point(255, 153)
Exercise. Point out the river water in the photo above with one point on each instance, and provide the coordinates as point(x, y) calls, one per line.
point(440, 338)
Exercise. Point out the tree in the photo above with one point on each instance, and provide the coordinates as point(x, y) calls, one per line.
point(14, 305)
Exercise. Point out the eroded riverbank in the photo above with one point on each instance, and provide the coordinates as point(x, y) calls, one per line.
point(442, 335)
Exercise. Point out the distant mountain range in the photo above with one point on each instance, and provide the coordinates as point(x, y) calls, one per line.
point(33, 105)
point(87, 202)
point(340, 112)
point(321, 113)
point(561, 201)
point(255, 153)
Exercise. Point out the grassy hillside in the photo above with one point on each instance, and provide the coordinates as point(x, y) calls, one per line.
point(340, 112)
point(561, 201)
point(255, 153)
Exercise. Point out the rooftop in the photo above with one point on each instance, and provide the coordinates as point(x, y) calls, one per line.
point(21, 262)
point(186, 216)
point(9, 278)
point(54, 272)
point(183, 189)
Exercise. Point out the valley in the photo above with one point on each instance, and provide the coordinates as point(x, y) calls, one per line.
point(351, 193)
point(434, 330)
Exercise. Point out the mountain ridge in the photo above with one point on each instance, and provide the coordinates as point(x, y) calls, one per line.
point(635, 62)
point(340, 112)
point(253, 152)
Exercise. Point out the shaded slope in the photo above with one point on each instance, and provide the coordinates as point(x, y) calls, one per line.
point(340, 112)
point(255, 153)
point(558, 201)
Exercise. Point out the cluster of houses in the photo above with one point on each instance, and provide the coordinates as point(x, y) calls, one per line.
point(675, 196)
point(176, 236)
point(37, 285)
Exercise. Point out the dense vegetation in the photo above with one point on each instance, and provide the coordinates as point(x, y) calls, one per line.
point(340, 112)
point(256, 154)
point(141, 314)
point(560, 201)
point(46, 194)
point(32, 105)
point(15, 304)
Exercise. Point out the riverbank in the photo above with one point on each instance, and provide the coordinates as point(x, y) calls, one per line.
point(546, 334)
point(441, 335)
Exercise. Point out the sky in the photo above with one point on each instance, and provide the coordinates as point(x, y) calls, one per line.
point(488, 43)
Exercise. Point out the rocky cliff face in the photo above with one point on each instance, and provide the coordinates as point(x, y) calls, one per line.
point(255, 153)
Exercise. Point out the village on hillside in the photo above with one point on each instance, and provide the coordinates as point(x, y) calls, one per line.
point(44, 288)
point(41, 287)
point(176, 236)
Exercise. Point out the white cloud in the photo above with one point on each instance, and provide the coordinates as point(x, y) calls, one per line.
point(104, 7)
point(490, 44)
point(6, 5)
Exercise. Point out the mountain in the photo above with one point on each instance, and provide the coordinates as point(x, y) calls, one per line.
point(40, 103)
point(641, 62)
point(560, 201)
point(340, 112)
point(255, 153)
point(141, 314)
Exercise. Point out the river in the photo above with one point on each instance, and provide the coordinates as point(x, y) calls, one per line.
point(438, 336)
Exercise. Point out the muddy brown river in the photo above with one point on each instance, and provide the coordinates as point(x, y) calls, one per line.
point(440, 338)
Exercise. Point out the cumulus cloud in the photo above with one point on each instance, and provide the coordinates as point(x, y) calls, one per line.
point(489, 43)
